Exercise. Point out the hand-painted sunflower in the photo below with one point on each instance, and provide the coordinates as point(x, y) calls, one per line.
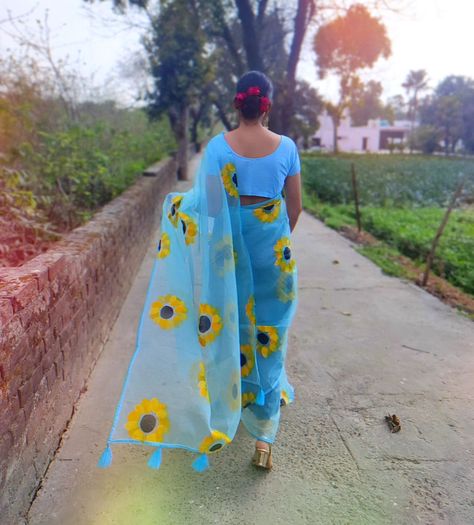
point(248, 398)
point(250, 310)
point(168, 311)
point(267, 340)
point(286, 287)
point(229, 178)
point(163, 246)
point(149, 421)
point(202, 381)
point(284, 398)
point(224, 257)
point(210, 324)
point(189, 228)
point(283, 258)
point(173, 214)
point(269, 212)
point(247, 361)
point(214, 442)
point(233, 394)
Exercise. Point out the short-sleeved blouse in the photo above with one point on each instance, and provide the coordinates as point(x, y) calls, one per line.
point(262, 176)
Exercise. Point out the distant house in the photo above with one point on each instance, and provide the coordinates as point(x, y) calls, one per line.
point(377, 135)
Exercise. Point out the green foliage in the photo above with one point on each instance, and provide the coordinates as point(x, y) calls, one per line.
point(402, 204)
point(391, 180)
point(81, 168)
point(425, 139)
point(387, 258)
point(412, 231)
point(351, 42)
point(366, 104)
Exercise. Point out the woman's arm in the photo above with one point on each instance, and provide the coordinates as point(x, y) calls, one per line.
point(294, 203)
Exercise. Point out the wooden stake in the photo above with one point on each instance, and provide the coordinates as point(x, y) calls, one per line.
point(356, 197)
point(429, 260)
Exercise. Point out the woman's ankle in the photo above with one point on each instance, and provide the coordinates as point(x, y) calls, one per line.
point(262, 444)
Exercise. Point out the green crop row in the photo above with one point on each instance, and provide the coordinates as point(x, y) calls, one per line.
point(388, 180)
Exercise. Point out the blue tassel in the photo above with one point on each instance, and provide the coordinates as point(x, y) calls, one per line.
point(105, 459)
point(155, 459)
point(201, 463)
point(260, 397)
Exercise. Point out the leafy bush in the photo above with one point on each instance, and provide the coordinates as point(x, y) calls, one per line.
point(82, 168)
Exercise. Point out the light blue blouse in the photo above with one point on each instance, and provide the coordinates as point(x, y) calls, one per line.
point(263, 176)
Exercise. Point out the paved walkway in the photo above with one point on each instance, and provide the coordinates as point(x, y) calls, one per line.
point(362, 345)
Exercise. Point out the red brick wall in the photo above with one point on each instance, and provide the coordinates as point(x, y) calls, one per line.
point(55, 314)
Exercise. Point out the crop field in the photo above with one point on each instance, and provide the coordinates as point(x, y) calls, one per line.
point(403, 200)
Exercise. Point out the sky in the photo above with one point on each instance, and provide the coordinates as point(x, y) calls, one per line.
point(434, 35)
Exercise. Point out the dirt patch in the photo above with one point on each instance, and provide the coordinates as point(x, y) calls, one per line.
point(436, 285)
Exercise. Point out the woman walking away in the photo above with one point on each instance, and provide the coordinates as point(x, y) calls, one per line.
point(212, 339)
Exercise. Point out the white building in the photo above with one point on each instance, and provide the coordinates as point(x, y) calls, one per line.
point(375, 136)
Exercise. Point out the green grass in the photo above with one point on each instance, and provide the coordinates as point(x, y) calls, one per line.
point(409, 231)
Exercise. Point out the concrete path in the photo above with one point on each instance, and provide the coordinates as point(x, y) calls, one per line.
point(362, 345)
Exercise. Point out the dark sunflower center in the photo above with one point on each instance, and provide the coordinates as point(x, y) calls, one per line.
point(243, 359)
point(148, 423)
point(269, 208)
point(166, 312)
point(287, 253)
point(204, 323)
point(173, 210)
point(227, 252)
point(159, 246)
point(215, 447)
point(234, 179)
point(183, 224)
point(263, 338)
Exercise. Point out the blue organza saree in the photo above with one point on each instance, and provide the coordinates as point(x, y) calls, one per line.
point(213, 334)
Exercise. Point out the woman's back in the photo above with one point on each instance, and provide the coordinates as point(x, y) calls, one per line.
point(262, 164)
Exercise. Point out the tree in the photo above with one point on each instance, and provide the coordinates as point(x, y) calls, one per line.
point(179, 69)
point(343, 47)
point(308, 105)
point(365, 104)
point(425, 139)
point(398, 106)
point(462, 88)
point(444, 113)
point(415, 83)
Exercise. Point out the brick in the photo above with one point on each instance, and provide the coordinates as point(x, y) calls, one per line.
point(51, 376)
point(50, 354)
point(6, 310)
point(18, 431)
point(6, 444)
point(25, 392)
point(19, 289)
point(35, 313)
point(36, 268)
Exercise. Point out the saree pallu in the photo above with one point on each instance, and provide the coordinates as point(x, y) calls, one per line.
point(212, 338)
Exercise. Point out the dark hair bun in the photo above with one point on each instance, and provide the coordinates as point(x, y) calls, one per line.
point(250, 107)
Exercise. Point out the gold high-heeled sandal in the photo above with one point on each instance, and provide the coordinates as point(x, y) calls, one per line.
point(262, 458)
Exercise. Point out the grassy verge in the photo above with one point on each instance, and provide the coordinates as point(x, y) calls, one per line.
point(388, 256)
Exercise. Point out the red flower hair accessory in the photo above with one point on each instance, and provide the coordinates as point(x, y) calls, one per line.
point(252, 91)
point(264, 104)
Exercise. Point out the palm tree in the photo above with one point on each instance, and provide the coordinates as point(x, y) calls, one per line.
point(415, 82)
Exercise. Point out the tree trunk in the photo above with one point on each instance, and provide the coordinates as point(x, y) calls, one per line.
point(182, 139)
point(249, 36)
point(222, 115)
point(335, 126)
point(304, 13)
